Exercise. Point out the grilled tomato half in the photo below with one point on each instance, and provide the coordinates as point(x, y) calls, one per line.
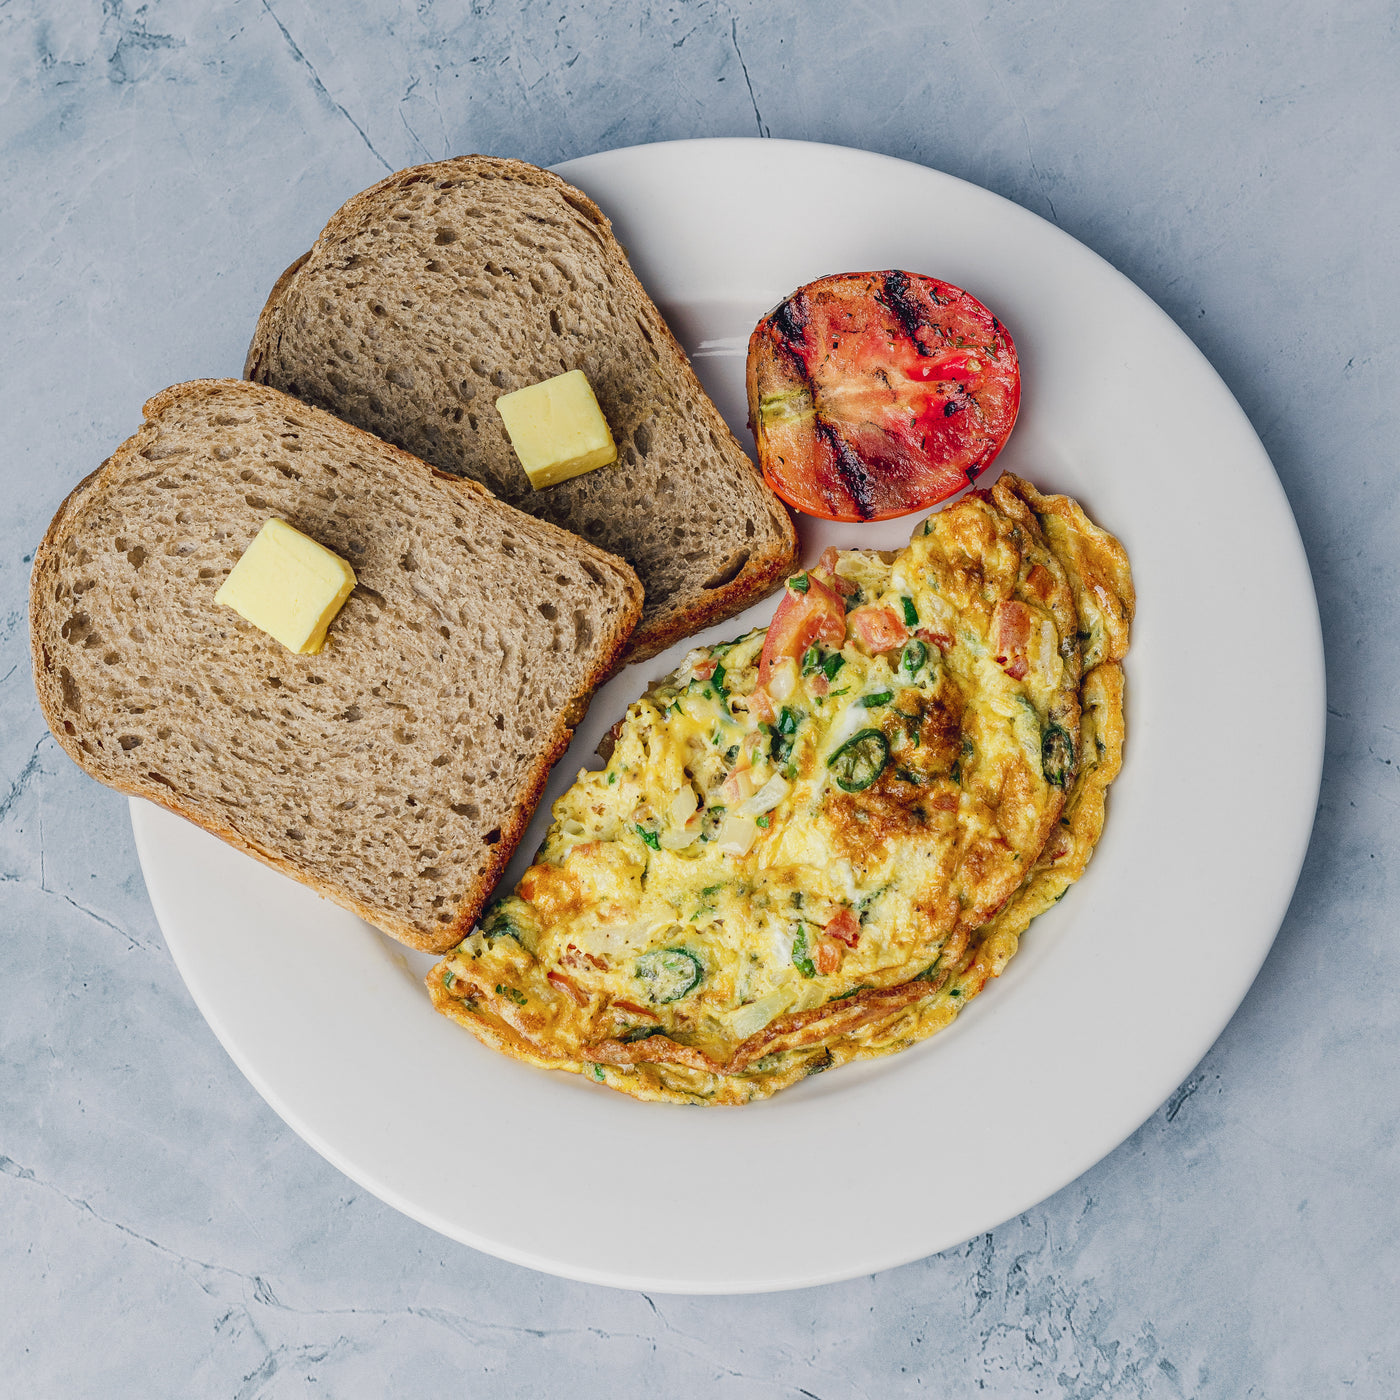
point(873, 394)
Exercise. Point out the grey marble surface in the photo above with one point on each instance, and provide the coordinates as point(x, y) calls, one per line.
point(161, 1231)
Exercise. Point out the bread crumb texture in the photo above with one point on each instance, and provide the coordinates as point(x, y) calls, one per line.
point(444, 287)
point(395, 770)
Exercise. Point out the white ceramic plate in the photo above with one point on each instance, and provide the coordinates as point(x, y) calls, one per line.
point(1115, 994)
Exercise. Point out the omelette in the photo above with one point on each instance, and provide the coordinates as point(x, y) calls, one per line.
point(817, 842)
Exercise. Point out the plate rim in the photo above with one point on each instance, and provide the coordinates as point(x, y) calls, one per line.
point(147, 833)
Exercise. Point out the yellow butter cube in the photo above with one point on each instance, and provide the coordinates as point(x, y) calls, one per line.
point(557, 429)
point(289, 586)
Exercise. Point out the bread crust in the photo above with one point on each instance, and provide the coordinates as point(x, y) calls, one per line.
point(43, 624)
point(761, 572)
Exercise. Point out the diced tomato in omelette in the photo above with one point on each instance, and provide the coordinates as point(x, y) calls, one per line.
point(811, 610)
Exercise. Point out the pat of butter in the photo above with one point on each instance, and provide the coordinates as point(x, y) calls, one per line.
point(557, 429)
point(289, 586)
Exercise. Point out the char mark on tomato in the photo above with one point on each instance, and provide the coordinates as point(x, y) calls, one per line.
point(790, 320)
point(851, 472)
point(898, 294)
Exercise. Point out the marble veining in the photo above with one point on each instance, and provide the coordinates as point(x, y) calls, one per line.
point(161, 1231)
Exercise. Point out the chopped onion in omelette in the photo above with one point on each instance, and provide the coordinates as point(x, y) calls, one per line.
point(816, 842)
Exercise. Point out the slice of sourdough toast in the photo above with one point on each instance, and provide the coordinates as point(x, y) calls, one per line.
point(395, 771)
point(445, 286)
